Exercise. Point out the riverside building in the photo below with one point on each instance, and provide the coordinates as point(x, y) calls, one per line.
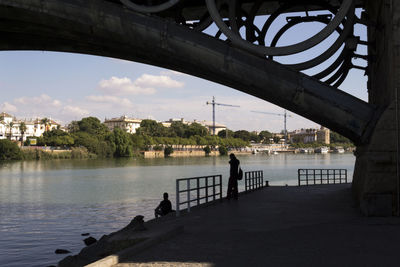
point(12, 128)
point(125, 123)
point(306, 136)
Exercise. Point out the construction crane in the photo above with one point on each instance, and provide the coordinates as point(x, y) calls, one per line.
point(213, 103)
point(285, 115)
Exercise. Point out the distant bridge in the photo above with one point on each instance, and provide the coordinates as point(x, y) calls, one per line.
point(230, 42)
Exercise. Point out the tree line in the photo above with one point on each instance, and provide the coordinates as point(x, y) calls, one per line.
point(92, 138)
point(95, 136)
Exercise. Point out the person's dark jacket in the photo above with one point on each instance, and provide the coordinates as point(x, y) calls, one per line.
point(165, 206)
point(234, 167)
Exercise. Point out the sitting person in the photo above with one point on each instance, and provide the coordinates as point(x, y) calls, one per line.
point(164, 207)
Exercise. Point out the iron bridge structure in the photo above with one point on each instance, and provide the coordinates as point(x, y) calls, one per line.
point(238, 43)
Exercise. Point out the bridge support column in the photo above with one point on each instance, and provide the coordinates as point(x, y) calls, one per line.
point(376, 175)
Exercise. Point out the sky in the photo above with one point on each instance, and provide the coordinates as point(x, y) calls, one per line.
point(66, 87)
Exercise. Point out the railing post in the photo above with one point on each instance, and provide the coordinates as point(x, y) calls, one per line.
point(207, 189)
point(198, 191)
point(346, 175)
point(320, 175)
point(327, 179)
point(220, 187)
point(188, 194)
point(253, 181)
point(245, 181)
point(314, 175)
point(306, 176)
point(334, 176)
point(298, 176)
point(177, 198)
point(213, 187)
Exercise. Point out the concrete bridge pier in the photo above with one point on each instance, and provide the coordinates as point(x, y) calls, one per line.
point(376, 175)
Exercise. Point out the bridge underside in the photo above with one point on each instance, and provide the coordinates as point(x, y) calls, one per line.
point(107, 28)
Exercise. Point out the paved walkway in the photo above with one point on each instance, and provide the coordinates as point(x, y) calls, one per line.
point(280, 226)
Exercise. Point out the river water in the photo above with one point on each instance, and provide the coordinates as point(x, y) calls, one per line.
point(45, 205)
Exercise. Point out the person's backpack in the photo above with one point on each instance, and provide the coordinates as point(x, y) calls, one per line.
point(240, 174)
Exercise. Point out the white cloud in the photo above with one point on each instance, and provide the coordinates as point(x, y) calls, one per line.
point(144, 85)
point(74, 111)
point(7, 107)
point(123, 86)
point(147, 80)
point(172, 72)
point(42, 100)
point(107, 99)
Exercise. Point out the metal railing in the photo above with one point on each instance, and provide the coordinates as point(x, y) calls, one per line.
point(253, 180)
point(197, 190)
point(321, 176)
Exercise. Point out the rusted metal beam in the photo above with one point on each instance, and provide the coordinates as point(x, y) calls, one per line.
point(108, 29)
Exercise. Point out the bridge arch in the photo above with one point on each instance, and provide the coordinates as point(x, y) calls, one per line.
point(107, 29)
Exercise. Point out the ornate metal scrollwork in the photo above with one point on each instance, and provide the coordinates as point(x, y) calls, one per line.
point(246, 26)
point(232, 31)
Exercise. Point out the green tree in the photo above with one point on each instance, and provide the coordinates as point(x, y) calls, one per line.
point(22, 129)
point(123, 143)
point(337, 138)
point(138, 142)
point(179, 128)
point(56, 137)
point(226, 133)
point(254, 137)
point(73, 127)
point(168, 150)
point(223, 150)
point(92, 125)
point(10, 126)
point(207, 150)
point(151, 128)
point(158, 148)
point(276, 139)
point(243, 134)
point(265, 136)
point(196, 129)
point(46, 123)
point(87, 140)
point(9, 150)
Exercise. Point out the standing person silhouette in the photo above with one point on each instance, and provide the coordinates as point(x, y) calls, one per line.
point(233, 177)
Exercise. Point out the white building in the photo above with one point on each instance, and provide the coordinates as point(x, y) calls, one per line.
point(128, 124)
point(305, 136)
point(170, 121)
point(209, 125)
point(10, 127)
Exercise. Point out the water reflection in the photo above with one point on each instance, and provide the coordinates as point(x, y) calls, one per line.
point(45, 205)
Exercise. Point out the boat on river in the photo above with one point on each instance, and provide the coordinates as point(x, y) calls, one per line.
point(338, 149)
point(322, 150)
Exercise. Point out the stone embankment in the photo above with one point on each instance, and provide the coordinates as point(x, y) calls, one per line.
point(188, 153)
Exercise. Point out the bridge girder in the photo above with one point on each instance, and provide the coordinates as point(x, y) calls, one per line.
point(108, 29)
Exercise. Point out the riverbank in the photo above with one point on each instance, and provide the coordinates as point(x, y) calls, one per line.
point(188, 153)
point(33, 153)
point(278, 226)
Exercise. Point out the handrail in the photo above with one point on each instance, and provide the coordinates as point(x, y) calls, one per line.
point(321, 176)
point(253, 180)
point(201, 187)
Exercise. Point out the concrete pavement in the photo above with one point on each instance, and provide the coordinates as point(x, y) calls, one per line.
point(279, 226)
